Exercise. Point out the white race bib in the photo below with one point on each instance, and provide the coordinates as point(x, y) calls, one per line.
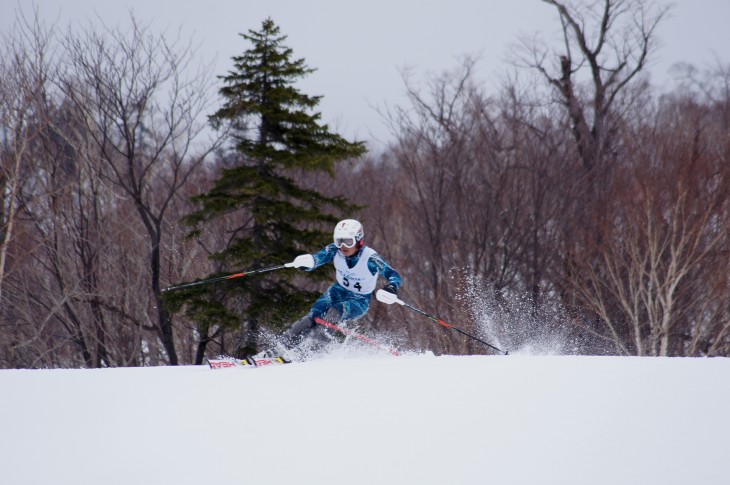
point(358, 279)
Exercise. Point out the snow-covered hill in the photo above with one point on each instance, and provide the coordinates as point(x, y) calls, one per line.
point(372, 420)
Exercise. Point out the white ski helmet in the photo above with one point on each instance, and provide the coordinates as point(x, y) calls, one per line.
point(349, 233)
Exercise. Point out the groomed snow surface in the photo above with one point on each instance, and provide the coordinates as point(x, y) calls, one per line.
point(353, 418)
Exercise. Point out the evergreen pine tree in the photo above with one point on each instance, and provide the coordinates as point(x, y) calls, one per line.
point(276, 134)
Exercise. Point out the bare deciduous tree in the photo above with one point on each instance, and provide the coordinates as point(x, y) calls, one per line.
point(26, 68)
point(610, 42)
point(141, 108)
point(657, 268)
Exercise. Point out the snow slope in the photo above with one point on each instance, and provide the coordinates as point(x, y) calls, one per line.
point(359, 419)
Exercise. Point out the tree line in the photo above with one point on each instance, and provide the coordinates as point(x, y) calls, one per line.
point(576, 209)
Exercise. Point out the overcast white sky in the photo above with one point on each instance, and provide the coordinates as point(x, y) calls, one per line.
point(359, 48)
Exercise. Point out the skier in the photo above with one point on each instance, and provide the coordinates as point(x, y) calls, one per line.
point(356, 269)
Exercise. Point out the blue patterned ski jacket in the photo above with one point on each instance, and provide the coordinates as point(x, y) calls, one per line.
point(348, 304)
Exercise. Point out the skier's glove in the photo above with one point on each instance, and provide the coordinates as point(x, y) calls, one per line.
point(391, 289)
point(305, 261)
point(387, 297)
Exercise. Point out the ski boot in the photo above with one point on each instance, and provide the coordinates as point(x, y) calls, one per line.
point(277, 353)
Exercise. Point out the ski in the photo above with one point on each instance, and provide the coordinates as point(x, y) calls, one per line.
point(226, 362)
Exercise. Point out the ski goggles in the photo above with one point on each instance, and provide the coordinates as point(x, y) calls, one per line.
point(348, 242)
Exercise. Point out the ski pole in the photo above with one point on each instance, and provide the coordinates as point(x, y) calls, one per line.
point(365, 339)
point(300, 261)
point(390, 298)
